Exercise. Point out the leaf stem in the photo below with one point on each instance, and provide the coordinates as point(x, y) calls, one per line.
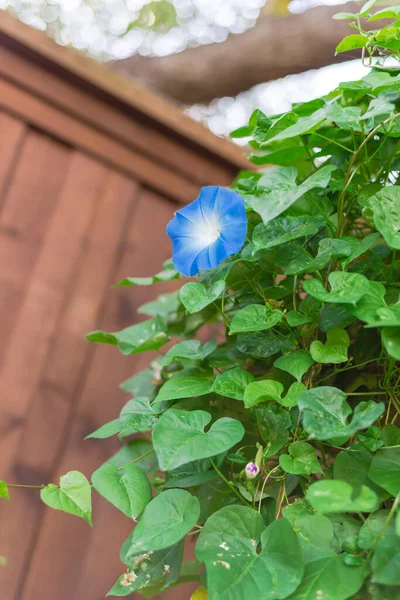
point(229, 484)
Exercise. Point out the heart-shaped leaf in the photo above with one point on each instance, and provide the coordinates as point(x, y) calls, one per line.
point(346, 288)
point(74, 495)
point(189, 349)
point(188, 383)
point(284, 229)
point(232, 383)
point(334, 350)
point(269, 390)
point(167, 274)
point(149, 335)
point(391, 341)
point(385, 206)
point(326, 413)
point(195, 296)
point(273, 423)
point(129, 491)
point(164, 521)
point(297, 363)
point(235, 569)
point(255, 317)
point(331, 496)
point(179, 437)
point(277, 190)
point(262, 391)
point(385, 470)
point(302, 460)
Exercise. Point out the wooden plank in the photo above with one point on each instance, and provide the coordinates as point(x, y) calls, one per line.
point(114, 154)
point(11, 135)
point(15, 34)
point(53, 401)
point(27, 208)
point(82, 550)
point(36, 325)
point(200, 166)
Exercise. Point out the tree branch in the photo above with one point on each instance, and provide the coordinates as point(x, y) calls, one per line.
point(275, 47)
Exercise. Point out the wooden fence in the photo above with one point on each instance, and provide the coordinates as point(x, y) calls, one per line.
point(91, 170)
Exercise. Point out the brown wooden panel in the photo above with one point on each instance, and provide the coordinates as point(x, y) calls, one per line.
point(45, 292)
point(203, 169)
point(33, 189)
point(86, 561)
point(70, 130)
point(53, 401)
point(11, 135)
point(83, 70)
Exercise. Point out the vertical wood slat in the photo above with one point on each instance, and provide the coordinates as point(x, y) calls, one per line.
point(12, 132)
point(35, 328)
point(54, 399)
point(33, 188)
point(96, 565)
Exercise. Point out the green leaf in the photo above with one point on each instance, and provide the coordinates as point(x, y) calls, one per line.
point(386, 561)
point(232, 383)
point(334, 350)
point(106, 431)
point(166, 305)
point(132, 451)
point(295, 318)
point(386, 13)
point(352, 466)
point(195, 296)
point(73, 496)
point(278, 190)
point(377, 525)
point(4, 490)
point(179, 437)
point(385, 206)
point(262, 344)
point(297, 363)
point(302, 460)
point(188, 383)
point(331, 496)
point(167, 274)
point(346, 288)
point(328, 249)
point(262, 391)
point(137, 415)
point(255, 317)
point(305, 124)
point(228, 546)
point(284, 157)
point(273, 423)
point(352, 42)
point(261, 127)
point(391, 341)
point(189, 349)
point(164, 521)
point(326, 412)
point(129, 491)
point(385, 470)
point(329, 578)
point(366, 308)
point(157, 569)
point(148, 335)
point(284, 229)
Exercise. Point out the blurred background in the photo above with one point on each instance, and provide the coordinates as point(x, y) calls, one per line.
point(94, 160)
point(269, 68)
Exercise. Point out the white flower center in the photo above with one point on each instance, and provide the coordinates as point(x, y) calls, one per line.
point(210, 232)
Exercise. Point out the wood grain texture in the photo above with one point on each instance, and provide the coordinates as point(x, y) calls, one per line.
point(12, 132)
point(71, 63)
point(100, 400)
point(79, 135)
point(187, 161)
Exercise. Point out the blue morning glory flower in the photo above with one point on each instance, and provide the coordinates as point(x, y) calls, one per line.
point(207, 230)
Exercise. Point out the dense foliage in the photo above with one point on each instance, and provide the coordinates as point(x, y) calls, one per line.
point(277, 447)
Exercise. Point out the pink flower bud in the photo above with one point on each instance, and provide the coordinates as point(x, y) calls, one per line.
point(252, 470)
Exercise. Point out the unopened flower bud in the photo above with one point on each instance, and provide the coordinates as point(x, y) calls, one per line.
point(252, 470)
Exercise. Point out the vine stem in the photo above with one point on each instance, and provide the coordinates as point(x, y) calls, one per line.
point(350, 175)
point(385, 525)
point(39, 487)
point(229, 484)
